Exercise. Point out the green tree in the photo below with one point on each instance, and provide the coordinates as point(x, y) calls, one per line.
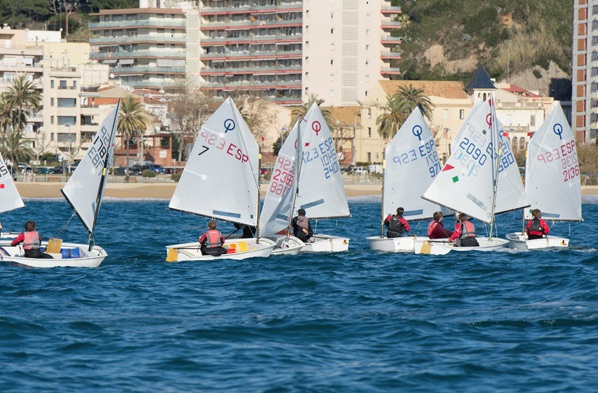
point(23, 97)
point(304, 108)
point(16, 148)
point(393, 115)
point(132, 121)
point(415, 98)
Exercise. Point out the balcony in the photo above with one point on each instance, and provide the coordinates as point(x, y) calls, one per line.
point(251, 9)
point(145, 53)
point(253, 70)
point(252, 40)
point(247, 25)
point(146, 38)
point(390, 71)
point(389, 9)
point(388, 55)
point(134, 24)
point(262, 55)
point(149, 69)
point(388, 40)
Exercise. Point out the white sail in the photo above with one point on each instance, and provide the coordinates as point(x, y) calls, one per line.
point(11, 199)
point(411, 166)
point(321, 190)
point(511, 191)
point(220, 179)
point(279, 201)
point(552, 176)
point(85, 188)
point(466, 182)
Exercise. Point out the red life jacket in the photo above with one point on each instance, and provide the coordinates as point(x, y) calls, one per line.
point(431, 227)
point(534, 227)
point(213, 238)
point(467, 230)
point(31, 240)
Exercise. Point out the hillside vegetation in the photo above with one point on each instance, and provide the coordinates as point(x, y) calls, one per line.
point(447, 39)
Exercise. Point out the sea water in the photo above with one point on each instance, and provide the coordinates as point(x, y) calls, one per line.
point(349, 322)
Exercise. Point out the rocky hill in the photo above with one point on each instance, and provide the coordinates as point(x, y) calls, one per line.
point(524, 42)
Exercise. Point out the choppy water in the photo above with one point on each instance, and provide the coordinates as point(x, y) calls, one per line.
point(351, 322)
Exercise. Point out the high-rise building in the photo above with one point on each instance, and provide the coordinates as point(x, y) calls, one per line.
point(288, 50)
point(584, 111)
point(148, 47)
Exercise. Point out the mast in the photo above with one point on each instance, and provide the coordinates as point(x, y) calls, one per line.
point(382, 207)
point(103, 176)
point(495, 140)
point(298, 162)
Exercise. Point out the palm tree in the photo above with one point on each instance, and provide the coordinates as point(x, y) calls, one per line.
point(416, 98)
point(16, 148)
point(393, 115)
point(132, 121)
point(23, 97)
point(304, 108)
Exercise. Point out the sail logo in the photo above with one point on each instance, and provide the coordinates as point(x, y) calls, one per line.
point(229, 125)
point(558, 130)
point(417, 131)
point(316, 126)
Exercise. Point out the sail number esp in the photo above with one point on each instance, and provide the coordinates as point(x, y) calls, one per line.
point(567, 155)
point(326, 152)
point(221, 144)
point(426, 151)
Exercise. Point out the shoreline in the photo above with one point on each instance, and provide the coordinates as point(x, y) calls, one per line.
point(165, 190)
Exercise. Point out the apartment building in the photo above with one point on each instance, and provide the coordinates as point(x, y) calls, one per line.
point(584, 111)
point(287, 50)
point(21, 53)
point(150, 47)
point(71, 86)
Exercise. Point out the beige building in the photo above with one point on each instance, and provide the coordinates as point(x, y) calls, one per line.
point(21, 53)
point(584, 112)
point(451, 107)
point(71, 86)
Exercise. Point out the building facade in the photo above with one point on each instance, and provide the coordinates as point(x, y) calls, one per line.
point(21, 53)
point(151, 47)
point(287, 50)
point(584, 111)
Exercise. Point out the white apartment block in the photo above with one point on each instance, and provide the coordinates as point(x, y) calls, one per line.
point(287, 50)
point(21, 53)
point(584, 111)
point(150, 47)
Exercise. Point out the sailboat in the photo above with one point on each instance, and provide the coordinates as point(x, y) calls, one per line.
point(277, 211)
point(481, 177)
point(221, 181)
point(410, 167)
point(11, 200)
point(320, 192)
point(552, 180)
point(83, 191)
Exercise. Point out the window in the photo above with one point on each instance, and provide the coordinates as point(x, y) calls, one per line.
point(332, 62)
point(332, 31)
point(52, 101)
point(367, 48)
point(461, 114)
point(52, 84)
point(369, 132)
point(532, 120)
point(331, 47)
point(51, 119)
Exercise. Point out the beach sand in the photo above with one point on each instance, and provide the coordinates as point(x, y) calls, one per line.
point(154, 190)
point(165, 190)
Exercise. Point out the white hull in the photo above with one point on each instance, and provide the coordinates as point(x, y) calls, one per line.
point(286, 245)
point(396, 244)
point(72, 255)
point(520, 241)
point(243, 249)
point(327, 243)
point(485, 244)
